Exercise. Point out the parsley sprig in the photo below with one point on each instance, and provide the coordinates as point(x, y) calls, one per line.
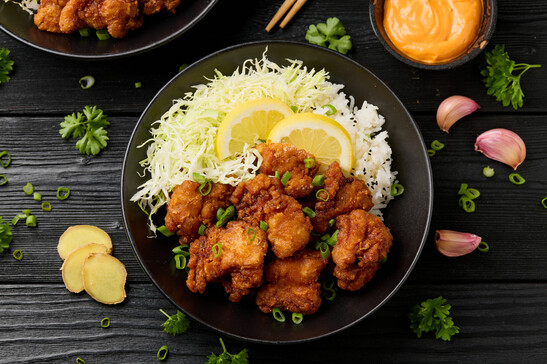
point(6, 235)
point(90, 125)
point(6, 65)
point(433, 315)
point(227, 358)
point(176, 324)
point(499, 77)
point(331, 32)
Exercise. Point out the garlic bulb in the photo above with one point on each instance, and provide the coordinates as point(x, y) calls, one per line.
point(502, 145)
point(453, 109)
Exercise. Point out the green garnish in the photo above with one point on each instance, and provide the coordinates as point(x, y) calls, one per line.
point(63, 193)
point(87, 82)
point(6, 65)
point(488, 171)
point(251, 234)
point(138, 84)
point(205, 192)
point(331, 33)
point(308, 211)
point(331, 109)
point(309, 162)
point(263, 225)
point(46, 206)
point(278, 315)
point(3, 180)
point(162, 353)
point(322, 195)
point(80, 360)
point(227, 358)
point(472, 193)
point(102, 34)
point(165, 232)
point(17, 254)
point(226, 215)
point(318, 180)
point(397, 189)
point(180, 261)
point(176, 324)
point(431, 152)
point(499, 77)
point(84, 32)
point(217, 249)
point(325, 250)
point(433, 315)
point(332, 222)
point(31, 221)
point(286, 177)
point(180, 249)
point(436, 145)
point(544, 202)
point(37, 196)
point(201, 230)
point(516, 179)
point(483, 247)
point(105, 322)
point(6, 163)
point(29, 188)
point(467, 204)
point(90, 125)
point(297, 318)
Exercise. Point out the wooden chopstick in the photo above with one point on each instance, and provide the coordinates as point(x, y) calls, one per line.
point(282, 10)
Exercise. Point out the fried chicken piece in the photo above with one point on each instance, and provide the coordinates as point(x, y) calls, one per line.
point(47, 16)
point(188, 208)
point(363, 241)
point(262, 199)
point(283, 157)
point(238, 266)
point(153, 6)
point(293, 283)
point(345, 195)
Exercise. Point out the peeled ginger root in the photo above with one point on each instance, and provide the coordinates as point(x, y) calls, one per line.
point(80, 235)
point(72, 266)
point(104, 278)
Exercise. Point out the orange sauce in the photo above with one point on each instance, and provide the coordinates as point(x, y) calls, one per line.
point(432, 31)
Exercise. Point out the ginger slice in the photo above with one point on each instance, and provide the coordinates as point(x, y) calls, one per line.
point(104, 278)
point(72, 266)
point(79, 235)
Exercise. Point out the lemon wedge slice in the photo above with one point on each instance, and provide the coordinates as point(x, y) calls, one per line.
point(317, 134)
point(248, 123)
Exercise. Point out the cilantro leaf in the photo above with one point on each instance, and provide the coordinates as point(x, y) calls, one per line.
point(332, 32)
point(6, 65)
point(90, 125)
point(433, 315)
point(227, 358)
point(6, 235)
point(499, 78)
point(175, 324)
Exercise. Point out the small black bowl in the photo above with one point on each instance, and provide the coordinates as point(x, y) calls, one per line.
point(486, 30)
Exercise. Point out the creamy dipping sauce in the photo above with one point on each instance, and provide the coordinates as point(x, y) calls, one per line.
point(432, 31)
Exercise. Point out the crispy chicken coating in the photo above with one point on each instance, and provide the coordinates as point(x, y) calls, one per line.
point(188, 208)
point(283, 157)
point(153, 6)
point(344, 196)
point(237, 261)
point(292, 283)
point(262, 199)
point(363, 241)
point(48, 14)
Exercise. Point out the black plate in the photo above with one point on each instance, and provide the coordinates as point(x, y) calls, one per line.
point(408, 216)
point(158, 29)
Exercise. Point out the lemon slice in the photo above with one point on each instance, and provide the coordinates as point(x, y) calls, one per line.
point(247, 123)
point(317, 134)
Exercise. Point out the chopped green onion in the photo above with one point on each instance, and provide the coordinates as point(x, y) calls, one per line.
point(463, 188)
point(294, 108)
point(199, 178)
point(27, 212)
point(162, 353)
point(397, 189)
point(384, 260)
point(297, 318)
point(17, 254)
point(325, 250)
point(163, 229)
point(332, 222)
point(102, 34)
point(286, 177)
point(105, 322)
point(263, 225)
point(138, 84)
point(488, 171)
point(63, 193)
point(180, 249)
point(31, 221)
point(3, 180)
point(84, 32)
point(309, 162)
point(86, 82)
point(29, 188)
point(322, 191)
point(325, 237)
point(277, 175)
point(329, 294)
point(226, 215)
point(46, 206)
point(7, 163)
point(182, 66)
point(436, 145)
point(332, 239)
point(483, 247)
point(331, 109)
point(180, 261)
point(431, 152)
point(472, 193)
point(251, 234)
point(467, 204)
point(309, 212)
point(262, 141)
point(328, 284)
point(209, 188)
point(318, 180)
point(15, 220)
point(201, 230)
point(516, 179)
point(217, 249)
point(278, 315)
point(544, 202)
point(80, 360)
point(220, 212)
point(37, 196)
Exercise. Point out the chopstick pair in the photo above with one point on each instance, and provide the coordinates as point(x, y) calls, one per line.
point(282, 10)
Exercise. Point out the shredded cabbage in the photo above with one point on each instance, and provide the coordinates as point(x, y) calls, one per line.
point(183, 140)
point(30, 6)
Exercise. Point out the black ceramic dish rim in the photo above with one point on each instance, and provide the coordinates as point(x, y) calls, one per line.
point(248, 339)
point(436, 67)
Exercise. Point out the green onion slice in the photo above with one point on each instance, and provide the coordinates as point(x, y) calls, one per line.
point(84, 32)
point(488, 171)
point(472, 193)
point(483, 247)
point(329, 294)
point(397, 189)
point(318, 180)
point(278, 315)
point(516, 179)
point(87, 82)
point(138, 84)
point(6, 163)
point(199, 178)
point(297, 318)
point(182, 66)
point(80, 360)
point(29, 188)
point(325, 250)
point(102, 34)
point(286, 177)
point(201, 230)
point(436, 145)
point(328, 284)
point(15, 220)
point(251, 234)
point(332, 239)
point(431, 152)
point(384, 260)
point(308, 211)
point(180, 249)
point(162, 353)
point(309, 162)
point(208, 190)
point(277, 175)
point(544, 202)
point(17, 254)
point(331, 109)
point(46, 206)
point(463, 188)
point(63, 193)
point(226, 215)
point(332, 222)
point(217, 249)
point(294, 108)
point(31, 221)
point(3, 180)
point(26, 212)
point(105, 322)
point(322, 192)
point(180, 261)
point(37, 196)
point(163, 229)
point(467, 204)
point(263, 225)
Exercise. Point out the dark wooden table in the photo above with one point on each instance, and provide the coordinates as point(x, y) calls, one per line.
point(499, 298)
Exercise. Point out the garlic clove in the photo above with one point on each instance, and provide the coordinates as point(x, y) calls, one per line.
point(453, 109)
point(454, 244)
point(502, 145)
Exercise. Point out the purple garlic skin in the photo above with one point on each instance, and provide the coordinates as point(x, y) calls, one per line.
point(453, 109)
point(455, 244)
point(503, 146)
